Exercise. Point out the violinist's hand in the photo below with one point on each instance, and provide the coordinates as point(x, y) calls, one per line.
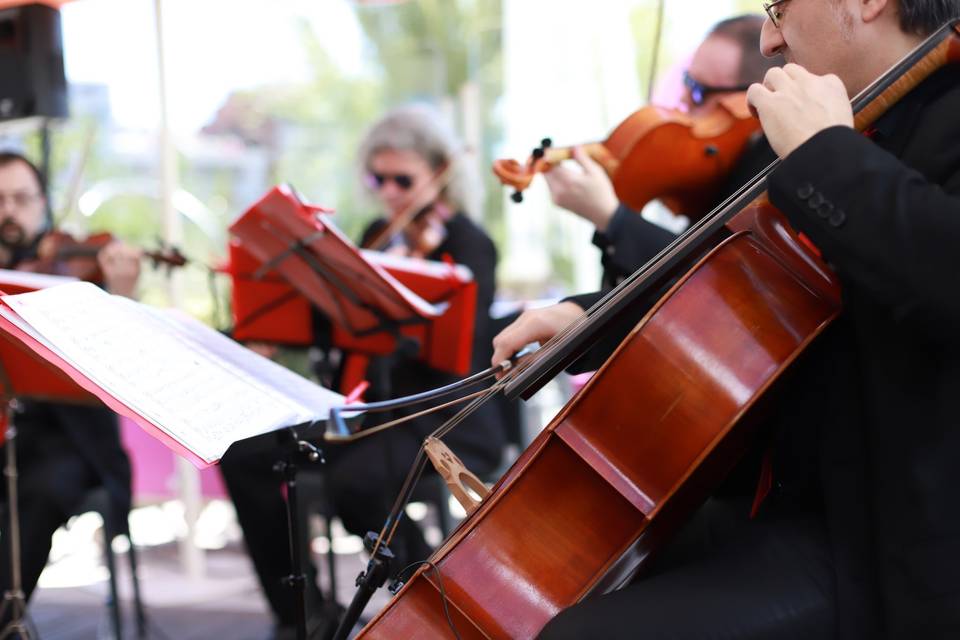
point(533, 325)
point(120, 264)
point(587, 193)
point(794, 105)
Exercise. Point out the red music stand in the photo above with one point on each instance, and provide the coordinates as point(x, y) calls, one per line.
point(375, 302)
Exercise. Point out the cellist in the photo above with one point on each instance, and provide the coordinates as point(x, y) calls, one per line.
point(859, 536)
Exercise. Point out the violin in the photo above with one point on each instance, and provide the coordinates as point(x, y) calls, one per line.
point(59, 253)
point(656, 153)
point(427, 231)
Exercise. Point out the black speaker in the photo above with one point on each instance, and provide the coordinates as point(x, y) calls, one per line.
point(32, 82)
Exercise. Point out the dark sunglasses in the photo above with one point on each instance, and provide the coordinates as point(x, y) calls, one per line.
point(402, 180)
point(700, 91)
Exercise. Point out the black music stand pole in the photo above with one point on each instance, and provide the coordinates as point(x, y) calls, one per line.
point(14, 600)
point(287, 468)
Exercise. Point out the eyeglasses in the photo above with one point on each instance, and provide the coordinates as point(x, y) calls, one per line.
point(402, 180)
point(700, 91)
point(776, 15)
point(18, 199)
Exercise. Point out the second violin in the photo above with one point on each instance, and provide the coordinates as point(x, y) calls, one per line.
point(656, 153)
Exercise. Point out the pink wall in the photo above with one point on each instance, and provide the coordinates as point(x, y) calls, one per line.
point(154, 475)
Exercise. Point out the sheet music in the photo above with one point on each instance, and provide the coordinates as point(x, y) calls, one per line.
point(204, 397)
point(313, 397)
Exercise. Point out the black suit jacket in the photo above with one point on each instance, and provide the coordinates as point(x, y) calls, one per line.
point(880, 389)
point(91, 433)
point(868, 426)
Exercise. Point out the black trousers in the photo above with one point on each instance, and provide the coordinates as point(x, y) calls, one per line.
point(50, 488)
point(363, 479)
point(724, 577)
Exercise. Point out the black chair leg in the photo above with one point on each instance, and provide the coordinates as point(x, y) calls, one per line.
point(113, 603)
point(331, 558)
point(141, 617)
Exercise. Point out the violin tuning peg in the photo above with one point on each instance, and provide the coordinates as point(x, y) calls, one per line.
point(546, 143)
point(517, 197)
point(537, 154)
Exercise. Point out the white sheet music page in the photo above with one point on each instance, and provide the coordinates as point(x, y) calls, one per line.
point(180, 374)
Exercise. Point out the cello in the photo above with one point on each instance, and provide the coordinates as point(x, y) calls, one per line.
point(641, 463)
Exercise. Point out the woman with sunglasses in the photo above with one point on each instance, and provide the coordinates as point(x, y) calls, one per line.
point(410, 164)
point(413, 166)
point(726, 62)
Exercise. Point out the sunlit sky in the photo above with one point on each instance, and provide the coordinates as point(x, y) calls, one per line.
point(212, 47)
point(216, 46)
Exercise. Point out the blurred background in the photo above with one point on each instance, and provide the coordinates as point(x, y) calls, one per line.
point(200, 106)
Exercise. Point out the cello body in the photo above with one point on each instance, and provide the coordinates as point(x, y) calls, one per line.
point(626, 461)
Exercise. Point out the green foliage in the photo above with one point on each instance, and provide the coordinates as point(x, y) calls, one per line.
point(430, 50)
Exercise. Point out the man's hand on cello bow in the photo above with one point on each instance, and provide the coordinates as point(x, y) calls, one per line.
point(533, 325)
